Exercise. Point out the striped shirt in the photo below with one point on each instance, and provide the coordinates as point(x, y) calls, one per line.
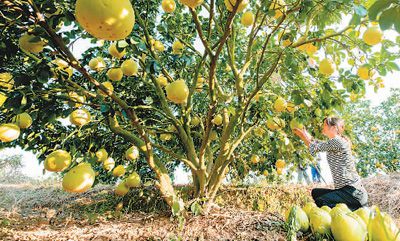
point(340, 161)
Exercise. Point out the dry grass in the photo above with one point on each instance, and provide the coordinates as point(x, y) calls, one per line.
point(45, 212)
point(384, 192)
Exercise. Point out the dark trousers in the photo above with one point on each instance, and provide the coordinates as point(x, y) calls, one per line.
point(349, 195)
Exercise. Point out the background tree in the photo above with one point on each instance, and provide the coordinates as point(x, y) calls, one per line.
point(10, 169)
point(376, 133)
point(242, 89)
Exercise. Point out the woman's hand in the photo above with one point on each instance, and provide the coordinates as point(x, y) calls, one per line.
point(304, 135)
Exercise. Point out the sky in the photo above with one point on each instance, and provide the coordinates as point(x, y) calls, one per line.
point(392, 80)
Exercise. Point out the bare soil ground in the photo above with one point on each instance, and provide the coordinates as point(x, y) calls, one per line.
point(45, 212)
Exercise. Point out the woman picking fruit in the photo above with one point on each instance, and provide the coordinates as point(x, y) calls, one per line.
point(348, 186)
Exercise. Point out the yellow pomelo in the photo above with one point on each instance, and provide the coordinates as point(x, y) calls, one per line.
point(346, 228)
point(3, 99)
point(200, 80)
point(339, 210)
point(80, 117)
point(162, 81)
point(320, 221)
point(114, 51)
point(115, 74)
point(300, 218)
point(69, 71)
point(177, 47)
point(280, 104)
point(255, 159)
point(133, 180)
point(168, 5)
point(192, 3)
point(130, 67)
point(61, 63)
point(6, 81)
point(171, 128)
point(291, 107)
point(343, 206)
point(119, 206)
point(159, 46)
point(326, 67)
point(280, 163)
point(79, 179)
point(295, 124)
point(318, 112)
point(97, 64)
point(165, 137)
point(121, 190)
point(257, 96)
point(275, 123)
point(57, 161)
point(132, 153)
point(108, 164)
point(106, 19)
point(231, 3)
point(118, 171)
point(247, 19)
point(108, 85)
point(9, 132)
point(286, 42)
point(76, 98)
point(373, 35)
point(279, 171)
point(23, 120)
point(31, 43)
point(365, 73)
point(265, 173)
point(383, 228)
point(308, 207)
point(213, 135)
point(279, 6)
point(195, 121)
point(364, 213)
point(177, 91)
point(101, 155)
point(326, 208)
point(217, 120)
point(272, 123)
point(309, 48)
point(259, 131)
point(199, 84)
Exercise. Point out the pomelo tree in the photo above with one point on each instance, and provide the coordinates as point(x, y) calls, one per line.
point(214, 85)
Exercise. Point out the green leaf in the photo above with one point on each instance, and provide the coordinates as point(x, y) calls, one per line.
point(196, 208)
point(326, 95)
point(387, 18)
point(104, 108)
point(360, 10)
point(393, 66)
point(378, 7)
point(177, 207)
point(122, 44)
point(355, 20)
point(297, 97)
point(397, 20)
